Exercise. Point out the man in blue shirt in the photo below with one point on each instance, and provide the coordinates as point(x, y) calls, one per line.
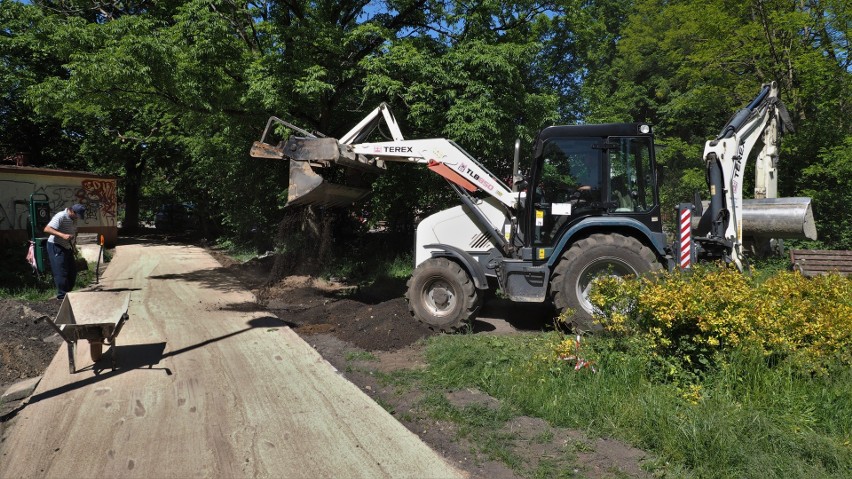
point(62, 229)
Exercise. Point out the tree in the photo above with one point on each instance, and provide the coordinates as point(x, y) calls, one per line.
point(170, 95)
point(148, 88)
point(478, 74)
point(24, 61)
point(830, 181)
point(686, 66)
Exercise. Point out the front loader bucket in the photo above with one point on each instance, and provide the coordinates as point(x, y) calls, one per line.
point(306, 187)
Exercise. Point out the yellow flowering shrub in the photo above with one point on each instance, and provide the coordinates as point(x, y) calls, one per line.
point(685, 319)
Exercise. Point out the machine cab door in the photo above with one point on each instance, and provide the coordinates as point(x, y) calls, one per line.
point(569, 185)
point(581, 176)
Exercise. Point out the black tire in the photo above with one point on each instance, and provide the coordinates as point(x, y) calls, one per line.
point(442, 295)
point(599, 254)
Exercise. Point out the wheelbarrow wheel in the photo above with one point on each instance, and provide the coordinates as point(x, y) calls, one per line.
point(97, 350)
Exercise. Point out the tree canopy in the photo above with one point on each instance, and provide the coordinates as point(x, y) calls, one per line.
point(169, 95)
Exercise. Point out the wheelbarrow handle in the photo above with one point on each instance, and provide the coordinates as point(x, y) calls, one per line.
point(56, 328)
point(117, 329)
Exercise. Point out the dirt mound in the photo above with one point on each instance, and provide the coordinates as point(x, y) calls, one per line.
point(26, 346)
point(361, 317)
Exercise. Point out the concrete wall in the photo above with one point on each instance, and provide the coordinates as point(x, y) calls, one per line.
point(63, 189)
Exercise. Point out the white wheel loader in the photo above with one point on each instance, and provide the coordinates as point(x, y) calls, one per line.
point(589, 207)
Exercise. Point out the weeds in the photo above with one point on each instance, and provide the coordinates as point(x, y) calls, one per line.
point(357, 355)
point(238, 251)
point(17, 280)
point(750, 421)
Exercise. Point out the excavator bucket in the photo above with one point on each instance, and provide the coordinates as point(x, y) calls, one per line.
point(352, 174)
point(783, 218)
point(779, 218)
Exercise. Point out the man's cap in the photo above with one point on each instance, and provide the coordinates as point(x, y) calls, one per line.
point(79, 209)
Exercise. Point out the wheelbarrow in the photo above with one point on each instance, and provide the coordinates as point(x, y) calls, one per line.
point(96, 316)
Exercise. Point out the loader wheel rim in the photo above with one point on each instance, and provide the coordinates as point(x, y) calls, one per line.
point(604, 266)
point(439, 297)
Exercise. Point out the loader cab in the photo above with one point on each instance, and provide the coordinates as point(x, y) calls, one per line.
point(589, 171)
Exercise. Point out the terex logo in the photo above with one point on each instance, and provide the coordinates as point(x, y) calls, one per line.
point(462, 167)
point(398, 149)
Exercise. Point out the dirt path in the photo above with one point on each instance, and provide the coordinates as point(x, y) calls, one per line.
point(207, 385)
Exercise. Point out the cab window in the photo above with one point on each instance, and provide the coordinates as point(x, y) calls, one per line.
point(571, 169)
point(630, 175)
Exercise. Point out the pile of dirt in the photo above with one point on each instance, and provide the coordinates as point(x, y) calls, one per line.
point(360, 317)
point(27, 344)
point(373, 317)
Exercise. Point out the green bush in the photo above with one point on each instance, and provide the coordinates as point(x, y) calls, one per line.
point(688, 322)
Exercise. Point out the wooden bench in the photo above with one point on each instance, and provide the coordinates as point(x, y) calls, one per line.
point(812, 262)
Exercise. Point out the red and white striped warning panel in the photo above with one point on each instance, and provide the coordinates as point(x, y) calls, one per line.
point(685, 238)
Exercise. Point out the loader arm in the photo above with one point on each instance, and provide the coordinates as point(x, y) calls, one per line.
point(360, 159)
point(443, 157)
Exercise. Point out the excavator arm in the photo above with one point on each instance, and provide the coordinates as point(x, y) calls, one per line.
point(726, 156)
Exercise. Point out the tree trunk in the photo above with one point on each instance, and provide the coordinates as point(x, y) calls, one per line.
point(133, 168)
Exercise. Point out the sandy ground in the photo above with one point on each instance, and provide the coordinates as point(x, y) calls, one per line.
point(342, 322)
point(207, 384)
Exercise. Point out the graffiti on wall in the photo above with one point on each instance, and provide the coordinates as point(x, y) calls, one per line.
point(99, 196)
point(13, 215)
point(102, 193)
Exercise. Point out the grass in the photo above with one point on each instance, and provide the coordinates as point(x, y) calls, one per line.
point(17, 280)
point(479, 424)
point(358, 355)
point(762, 269)
point(237, 251)
point(484, 428)
point(750, 420)
point(359, 269)
point(401, 267)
